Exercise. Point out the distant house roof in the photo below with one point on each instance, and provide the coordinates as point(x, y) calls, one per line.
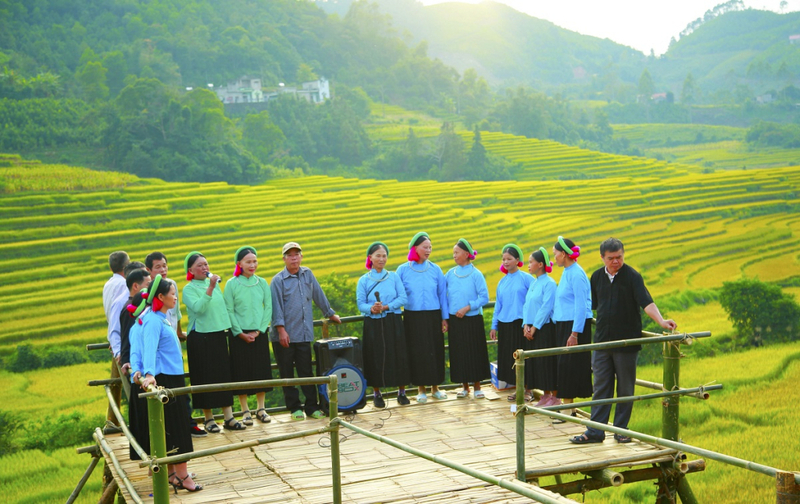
point(794, 37)
point(659, 96)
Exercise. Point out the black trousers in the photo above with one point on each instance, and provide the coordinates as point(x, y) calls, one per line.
point(297, 356)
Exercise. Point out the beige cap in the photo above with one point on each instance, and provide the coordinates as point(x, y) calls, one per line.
point(291, 245)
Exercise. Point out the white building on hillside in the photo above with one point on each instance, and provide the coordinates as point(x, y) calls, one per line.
point(249, 90)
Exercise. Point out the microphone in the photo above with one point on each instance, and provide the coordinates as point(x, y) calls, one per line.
point(208, 275)
point(377, 296)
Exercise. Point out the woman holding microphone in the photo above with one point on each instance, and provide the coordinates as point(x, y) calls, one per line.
point(207, 340)
point(379, 295)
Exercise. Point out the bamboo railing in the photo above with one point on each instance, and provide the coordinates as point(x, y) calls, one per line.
point(671, 474)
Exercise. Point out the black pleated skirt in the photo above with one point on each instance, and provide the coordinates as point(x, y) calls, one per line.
point(385, 352)
point(509, 340)
point(209, 362)
point(545, 369)
point(137, 420)
point(574, 370)
point(176, 421)
point(469, 356)
point(250, 361)
point(425, 344)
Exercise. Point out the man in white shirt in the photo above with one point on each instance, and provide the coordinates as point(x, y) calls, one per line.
point(115, 292)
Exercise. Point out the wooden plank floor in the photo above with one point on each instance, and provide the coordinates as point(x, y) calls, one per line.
point(476, 433)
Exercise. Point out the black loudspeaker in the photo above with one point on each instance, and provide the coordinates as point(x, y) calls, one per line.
point(342, 357)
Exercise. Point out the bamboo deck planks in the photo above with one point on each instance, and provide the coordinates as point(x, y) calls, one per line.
point(476, 433)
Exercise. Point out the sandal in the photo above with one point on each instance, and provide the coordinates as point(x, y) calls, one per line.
point(478, 394)
point(233, 424)
point(622, 439)
point(529, 396)
point(179, 484)
point(560, 421)
point(462, 394)
point(211, 426)
point(584, 439)
point(247, 419)
point(512, 397)
point(264, 418)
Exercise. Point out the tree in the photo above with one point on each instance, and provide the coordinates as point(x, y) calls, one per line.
point(760, 312)
point(262, 137)
point(92, 77)
point(689, 90)
point(646, 86)
point(305, 74)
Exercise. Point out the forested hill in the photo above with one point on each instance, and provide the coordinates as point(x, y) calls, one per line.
point(747, 47)
point(196, 42)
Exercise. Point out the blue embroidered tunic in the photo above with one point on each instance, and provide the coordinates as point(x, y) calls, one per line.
point(161, 349)
point(425, 287)
point(573, 298)
point(511, 292)
point(466, 285)
point(391, 290)
point(539, 302)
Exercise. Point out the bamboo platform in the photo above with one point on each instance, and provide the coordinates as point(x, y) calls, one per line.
point(476, 433)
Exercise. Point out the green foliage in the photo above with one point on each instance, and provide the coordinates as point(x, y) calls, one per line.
point(341, 294)
point(45, 122)
point(64, 356)
point(25, 358)
point(760, 312)
point(67, 430)
point(773, 134)
point(10, 424)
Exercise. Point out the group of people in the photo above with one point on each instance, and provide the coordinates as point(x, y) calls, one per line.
point(229, 332)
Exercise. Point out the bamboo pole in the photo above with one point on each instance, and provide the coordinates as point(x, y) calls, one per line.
point(519, 413)
point(100, 383)
point(518, 487)
point(607, 476)
point(597, 464)
point(101, 440)
point(124, 426)
point(158, 448)
point(632, 476)
point(185, 457)
point(701, 394)
point(623, 399)
point(670, 414)
point(84, 479)
point(666, 443)
point(218, 387)
point(336, 462)
point(88, 449)
point(685, 338)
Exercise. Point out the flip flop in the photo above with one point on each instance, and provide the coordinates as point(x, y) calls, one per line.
point(478, 394)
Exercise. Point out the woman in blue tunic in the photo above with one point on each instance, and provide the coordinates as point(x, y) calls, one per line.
point(573, 317)
point(466, 295)
point(539, 327)
point(162, 364)
point(379, 295)
point(507, 318)
point(425, 316)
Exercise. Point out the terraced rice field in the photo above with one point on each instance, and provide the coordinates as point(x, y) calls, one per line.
point(682, 229)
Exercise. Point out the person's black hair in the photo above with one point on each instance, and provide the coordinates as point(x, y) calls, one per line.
point(153, 257)
point(538, 256)
point(193, 259)
point(611, 245)
point(118, 260)
point(243, 253)
point(421, 239)
point(512, 252)
point(135, 277)
point(569, 243)
point(133, 266)
point(376, 246)
point(162, 288)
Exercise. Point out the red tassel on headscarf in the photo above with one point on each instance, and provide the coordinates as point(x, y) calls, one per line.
point(368, 263)
point(130, 309)
point(237, 271)
point(472, 255)
point(576, 252)
point(519, 264)
point(157, 304)
point(145, 294)
point(549, 269)
point(189, 276)
point(412, 255)
point(503, 269)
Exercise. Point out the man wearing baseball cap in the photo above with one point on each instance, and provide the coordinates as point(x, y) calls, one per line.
point(293, 289)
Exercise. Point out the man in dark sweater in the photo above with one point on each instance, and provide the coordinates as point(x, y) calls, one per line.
point(618, 293)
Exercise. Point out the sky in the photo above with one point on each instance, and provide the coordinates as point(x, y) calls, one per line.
point(641, 24)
